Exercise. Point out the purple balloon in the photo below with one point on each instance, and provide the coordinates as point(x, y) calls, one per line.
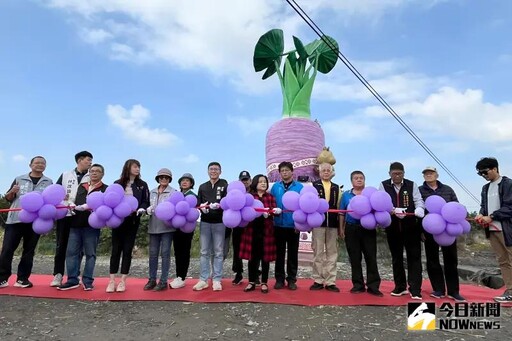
point(434, 223)
point(104, 212)
point(191, 199)
point(291, 200)
point(368, 191)
point(31, 201)
point(466, 226)
point(315, 219)
point(61, 213)
point(381, 201)
point(123, 210)
point(132, 201)
point(323, 206)
point(235, 199)
point(112, 199)
point(189, 227)
point(248, 214)
point(95, 200)
point(114, 221)
point(224, 204)
point(26, 216)
point(353, 214)
point(382, 218)
point(308, 202)
point(434, 204)
point(178, 221)
point(54, 194)
point(368, 221)
point(444, 239)
point(192, 215)
point(454, 229)
point(96, 222)
point(243, 223)
point(47, 212)
point(182, 208)
point(236, 185)
point(454, 212)
point(42, 226)
point(249, 199)
point(303, 227)
point(258, 204)
point(115, 188)
point(165, 211)
point(361, 205)
point(300, 217)
point(176, 197)
point(231, 218)
point(308, 189)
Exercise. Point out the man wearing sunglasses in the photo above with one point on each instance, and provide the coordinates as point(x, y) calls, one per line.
point(496, 216)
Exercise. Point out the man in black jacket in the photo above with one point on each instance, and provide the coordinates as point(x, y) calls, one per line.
point(404, 231)
point(432, 186)
point(496, 215)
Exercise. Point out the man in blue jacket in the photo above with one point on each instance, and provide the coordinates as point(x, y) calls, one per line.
point(496, 214)
point(285, 234)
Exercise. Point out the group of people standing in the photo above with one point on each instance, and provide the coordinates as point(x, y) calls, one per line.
point(270, 237)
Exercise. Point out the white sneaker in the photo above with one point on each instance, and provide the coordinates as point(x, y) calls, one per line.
point(201, 285)
point(217, 286)
point(57, 281)
point(177, 283)
point(111, 287)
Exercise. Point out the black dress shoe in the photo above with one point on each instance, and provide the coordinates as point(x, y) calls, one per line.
point(292, 286)
point(355, 290)
point(316, 286)
point(376, 292)
point(150, 285)
point(279, 285)
point(332, 288)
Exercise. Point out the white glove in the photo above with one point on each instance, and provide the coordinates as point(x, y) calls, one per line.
point(265, 215)
point(214, 206)
point(205, 210)
point(150, 210)
point(400, 212)
point(277, 211)
point(70, 205)
point(81, 208)
point(140, 211)
point(419, 212)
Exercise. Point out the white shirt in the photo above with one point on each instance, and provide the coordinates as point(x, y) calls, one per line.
point(493, 203)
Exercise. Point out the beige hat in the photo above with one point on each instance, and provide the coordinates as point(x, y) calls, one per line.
point(429, 169)
point(163, 171)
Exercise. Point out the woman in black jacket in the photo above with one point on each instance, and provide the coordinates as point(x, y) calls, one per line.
point(123, 237)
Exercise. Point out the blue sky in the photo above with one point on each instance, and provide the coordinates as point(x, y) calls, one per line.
point(171, 84)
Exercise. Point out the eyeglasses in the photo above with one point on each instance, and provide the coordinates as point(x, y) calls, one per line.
point(95, 171)
point(483, 172)
point(162, 177)
point(397, 173)
point(212, 169)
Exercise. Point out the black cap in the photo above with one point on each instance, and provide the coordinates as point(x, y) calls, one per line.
point(83, 153)
point(396, 166)
point(244, 175)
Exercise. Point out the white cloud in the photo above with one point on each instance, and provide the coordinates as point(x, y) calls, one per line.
point(251, 126)
point(95, 36)
point(190, 158)
point(133, 125)
point(19, 158)
point(347, 130)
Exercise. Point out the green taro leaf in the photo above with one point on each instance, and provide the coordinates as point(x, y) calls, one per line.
point(303, 55)
point(311, 47)
point(292, 58)
point(327, 57)
point(267, 51)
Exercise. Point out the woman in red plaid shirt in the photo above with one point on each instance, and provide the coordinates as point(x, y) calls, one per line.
point(258, 243)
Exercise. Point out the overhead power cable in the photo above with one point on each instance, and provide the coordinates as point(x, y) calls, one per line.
point(296, 7)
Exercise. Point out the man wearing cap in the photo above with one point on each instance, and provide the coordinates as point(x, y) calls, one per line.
point(71, 180)
point(238, 267)
point(447, 282)
point(404, 231)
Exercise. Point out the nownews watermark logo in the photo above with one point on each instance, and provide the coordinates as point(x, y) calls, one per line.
point(458, 316)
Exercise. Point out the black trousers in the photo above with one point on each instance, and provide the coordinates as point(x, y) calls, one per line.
point(408, 237)
point(182, 243)
point(287, 245)
point(61, 244)
point(12, 239)
point(238, 266)
point(123, 241)
point(434, 269)
point(257, 253)
point(362, 242)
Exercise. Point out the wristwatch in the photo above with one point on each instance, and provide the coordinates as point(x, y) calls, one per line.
point(491, 216)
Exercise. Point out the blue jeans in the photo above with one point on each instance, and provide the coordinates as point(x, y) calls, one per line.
point(81, 239)
point(212, 237)
point(160, 242)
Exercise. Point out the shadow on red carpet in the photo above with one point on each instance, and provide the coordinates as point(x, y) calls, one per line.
point(231, 293)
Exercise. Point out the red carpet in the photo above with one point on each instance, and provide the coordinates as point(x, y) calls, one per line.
point(231, 293)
